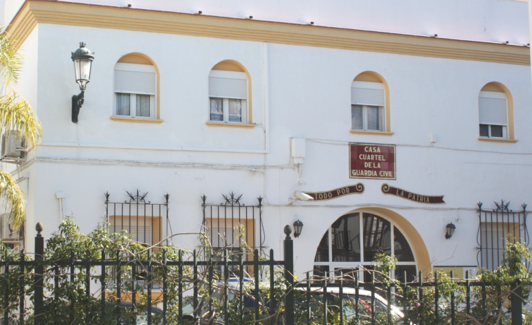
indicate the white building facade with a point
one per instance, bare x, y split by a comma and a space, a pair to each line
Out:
277, 100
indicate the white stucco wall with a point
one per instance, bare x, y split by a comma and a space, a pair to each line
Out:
297, 92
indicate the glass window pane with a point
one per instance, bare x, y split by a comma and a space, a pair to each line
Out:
496, 131
484, 130
235, 110
376, 237
356, 117
402, 250
322, 253
320, 270
217, 112
345, 234
122, 104
143, 105
373, 117
410, 273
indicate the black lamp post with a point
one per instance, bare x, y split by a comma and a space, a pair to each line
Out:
82, 59
449, 230
298, 228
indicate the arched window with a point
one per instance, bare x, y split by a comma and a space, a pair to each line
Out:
495, 111
369, 103
356, 239
229, 95
135, 87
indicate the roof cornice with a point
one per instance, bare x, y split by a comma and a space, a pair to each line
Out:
35, 12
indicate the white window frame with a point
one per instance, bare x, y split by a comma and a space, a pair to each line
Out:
225, 104
495, 95
380, 103
353, 264
133, 95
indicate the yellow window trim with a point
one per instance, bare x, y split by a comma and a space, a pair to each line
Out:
74, 14
371, 132
497, 140
136, 120
231, 125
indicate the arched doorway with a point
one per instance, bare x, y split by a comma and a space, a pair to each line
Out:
356, 238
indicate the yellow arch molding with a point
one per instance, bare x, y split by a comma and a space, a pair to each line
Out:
232, 65
499, 87
140, 58
371, 76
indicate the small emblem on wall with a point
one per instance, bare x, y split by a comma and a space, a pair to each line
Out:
346, 190
373, 161
431, 199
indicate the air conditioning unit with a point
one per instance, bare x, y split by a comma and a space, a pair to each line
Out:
13, 148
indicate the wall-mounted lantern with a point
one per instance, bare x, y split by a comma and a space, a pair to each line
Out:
82, 59
449, 230
298, 228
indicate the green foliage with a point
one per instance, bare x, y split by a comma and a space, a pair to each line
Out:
73, 291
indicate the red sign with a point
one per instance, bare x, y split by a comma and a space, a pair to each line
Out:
369, 160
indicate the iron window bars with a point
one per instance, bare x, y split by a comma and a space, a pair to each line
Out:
221, 222
141, 218
496, 227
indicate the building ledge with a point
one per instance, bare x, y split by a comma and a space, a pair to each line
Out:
136, 120
371, 132
497, 140
231, 125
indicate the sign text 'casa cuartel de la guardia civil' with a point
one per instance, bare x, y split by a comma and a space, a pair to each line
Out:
369, 160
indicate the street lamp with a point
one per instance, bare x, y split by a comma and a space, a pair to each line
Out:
82, 59
449, 230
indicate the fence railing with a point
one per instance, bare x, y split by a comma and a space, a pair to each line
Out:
164, 286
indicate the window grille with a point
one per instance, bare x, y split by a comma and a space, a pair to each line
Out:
496, 227
146, 222
231, 222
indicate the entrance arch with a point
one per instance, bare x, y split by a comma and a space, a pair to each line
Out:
356, 237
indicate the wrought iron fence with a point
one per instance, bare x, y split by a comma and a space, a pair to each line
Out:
178, 288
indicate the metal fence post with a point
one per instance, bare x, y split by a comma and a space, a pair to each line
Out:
517, 304
289, 275
39, 270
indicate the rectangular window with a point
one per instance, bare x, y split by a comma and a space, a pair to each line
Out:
135, 90
228, 94
230, 233
145, 230
367, 106
493, 238
493, 114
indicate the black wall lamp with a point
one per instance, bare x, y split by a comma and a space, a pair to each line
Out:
449, 230
82, 59
298, 228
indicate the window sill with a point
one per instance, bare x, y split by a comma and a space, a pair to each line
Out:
136, 120
497, 140
371, 132
231, 124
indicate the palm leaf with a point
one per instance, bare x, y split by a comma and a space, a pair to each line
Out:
14, 200
10, 59
17, 119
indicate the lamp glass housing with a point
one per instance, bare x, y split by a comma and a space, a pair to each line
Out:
82, 59
82, 67
449, 230
298, 228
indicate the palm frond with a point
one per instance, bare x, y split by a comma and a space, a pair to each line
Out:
14, 200
10, 59
18, 119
